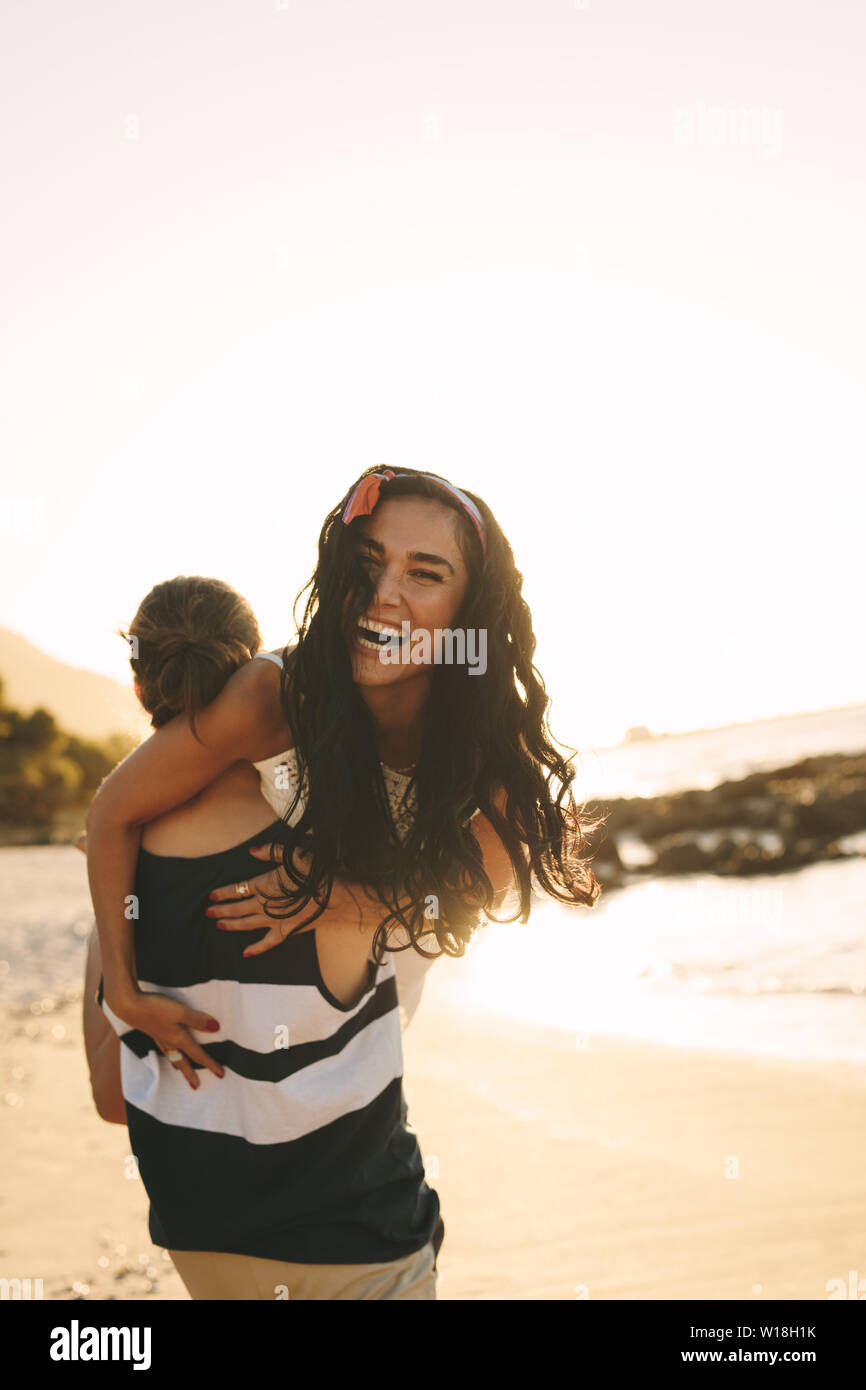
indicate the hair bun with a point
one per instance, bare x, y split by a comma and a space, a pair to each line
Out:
192, 634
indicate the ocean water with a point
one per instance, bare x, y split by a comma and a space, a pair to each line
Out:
705, 759
45, 920
772, 964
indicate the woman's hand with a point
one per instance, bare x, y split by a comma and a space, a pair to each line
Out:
168, 1022
350, 905
242, 904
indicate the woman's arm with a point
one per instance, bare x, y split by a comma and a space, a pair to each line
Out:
244, 722
410, 966
101, 1043
497, 861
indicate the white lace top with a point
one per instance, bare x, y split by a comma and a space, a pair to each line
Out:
279, 784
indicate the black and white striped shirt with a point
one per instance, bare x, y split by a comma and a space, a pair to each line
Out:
303, 1150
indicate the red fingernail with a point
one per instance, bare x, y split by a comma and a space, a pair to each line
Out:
212, 895
222, 926
213, 1026
253, 848
194, 1085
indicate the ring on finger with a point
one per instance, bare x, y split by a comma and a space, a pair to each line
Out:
242, 889
174, 1057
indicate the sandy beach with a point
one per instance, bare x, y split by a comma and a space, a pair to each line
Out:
601, 1171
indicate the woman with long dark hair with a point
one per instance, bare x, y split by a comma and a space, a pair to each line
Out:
403, 741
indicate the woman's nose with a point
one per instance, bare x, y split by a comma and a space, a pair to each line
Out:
388, 590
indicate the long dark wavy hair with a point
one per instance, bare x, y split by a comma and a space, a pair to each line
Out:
482, 733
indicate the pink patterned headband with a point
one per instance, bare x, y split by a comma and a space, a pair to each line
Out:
365, 496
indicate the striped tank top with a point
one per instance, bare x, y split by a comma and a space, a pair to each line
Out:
303, 1150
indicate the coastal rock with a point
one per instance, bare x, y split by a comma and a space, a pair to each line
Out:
766, 822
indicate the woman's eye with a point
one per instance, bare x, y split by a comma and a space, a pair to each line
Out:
370, 562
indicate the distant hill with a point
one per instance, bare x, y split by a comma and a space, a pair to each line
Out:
82, 702
638, 734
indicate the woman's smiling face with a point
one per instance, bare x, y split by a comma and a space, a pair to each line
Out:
409, 549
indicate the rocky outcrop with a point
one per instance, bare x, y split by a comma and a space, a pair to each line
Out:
767, 822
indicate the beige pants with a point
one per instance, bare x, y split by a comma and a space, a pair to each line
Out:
220, 1276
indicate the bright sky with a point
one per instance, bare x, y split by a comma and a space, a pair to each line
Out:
250, 249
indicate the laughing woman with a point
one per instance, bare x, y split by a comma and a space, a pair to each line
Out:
414, 795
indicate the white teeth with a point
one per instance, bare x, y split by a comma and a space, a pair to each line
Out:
373, 626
